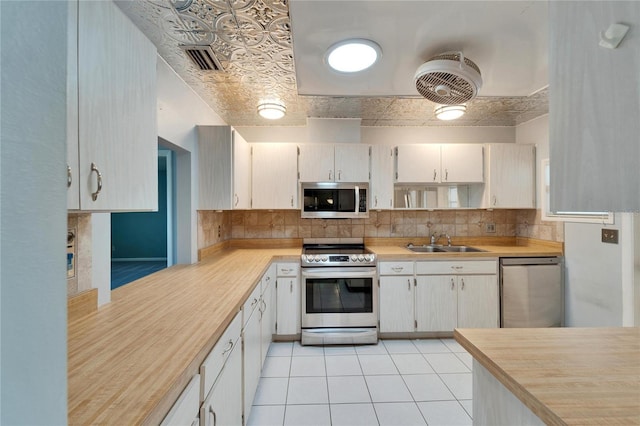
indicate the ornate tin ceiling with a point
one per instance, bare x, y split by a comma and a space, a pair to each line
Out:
252, 41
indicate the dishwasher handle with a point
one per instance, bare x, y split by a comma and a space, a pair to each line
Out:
515, 261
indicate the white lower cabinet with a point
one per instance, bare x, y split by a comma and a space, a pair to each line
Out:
221, 379
251, 344
439, 297
267, 311
468, 297
223, 405
396, 304
288, 314
186, 408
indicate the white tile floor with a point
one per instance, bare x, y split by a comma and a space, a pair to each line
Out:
396, 382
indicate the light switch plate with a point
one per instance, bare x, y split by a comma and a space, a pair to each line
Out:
610, 236
490, 227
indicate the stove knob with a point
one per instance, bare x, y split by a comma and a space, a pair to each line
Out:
304, 257
367, 258
354, 258
316, 258
325, 258
360, 258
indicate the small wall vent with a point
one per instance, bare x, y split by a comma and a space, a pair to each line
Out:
203, 57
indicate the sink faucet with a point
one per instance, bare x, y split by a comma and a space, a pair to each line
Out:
435, 237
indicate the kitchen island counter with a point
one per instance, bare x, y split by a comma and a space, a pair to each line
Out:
562, 375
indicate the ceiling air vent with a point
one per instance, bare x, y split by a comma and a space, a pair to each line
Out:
203, 57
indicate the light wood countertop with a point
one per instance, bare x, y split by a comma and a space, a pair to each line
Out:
395, 248
566, 376
130, 360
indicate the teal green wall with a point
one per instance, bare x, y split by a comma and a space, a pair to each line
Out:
144, 234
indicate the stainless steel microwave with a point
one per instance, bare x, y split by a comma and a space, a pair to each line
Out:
331, 200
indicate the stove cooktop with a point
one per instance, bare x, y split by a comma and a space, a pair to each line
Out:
336, 255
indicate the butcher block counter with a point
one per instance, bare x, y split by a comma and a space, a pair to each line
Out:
129, 360
565, 376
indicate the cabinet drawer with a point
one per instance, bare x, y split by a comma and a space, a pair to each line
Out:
214, 362
252, 302
395, 268
186, 407
288, 269
457, 267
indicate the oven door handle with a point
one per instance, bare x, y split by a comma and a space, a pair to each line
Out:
327, 273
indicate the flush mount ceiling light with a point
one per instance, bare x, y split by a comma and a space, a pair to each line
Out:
272, 110
353, 55
450, 112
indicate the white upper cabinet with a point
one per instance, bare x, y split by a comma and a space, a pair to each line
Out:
333, 163
418, 163
381, 186
461, 163
434, 163
593, 108
224, 169
274, 183
510, 176
113, 127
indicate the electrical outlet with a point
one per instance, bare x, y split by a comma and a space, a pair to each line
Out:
610, 236
490, 227
219, 231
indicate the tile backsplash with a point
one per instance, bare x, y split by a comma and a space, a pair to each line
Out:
214, 227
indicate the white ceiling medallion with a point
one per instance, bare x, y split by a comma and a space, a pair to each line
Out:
272, 110
353, 55
450, 112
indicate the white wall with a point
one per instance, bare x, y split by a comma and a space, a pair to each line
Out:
536, 132
180, 109
387, 135
600, 276
33, 213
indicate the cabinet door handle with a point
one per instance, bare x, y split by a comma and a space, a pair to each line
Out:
292, 201
495, 200
446, 174
228, 348
397, 268
453, 285
94, 168
462, 284
408, 284
255, 301
375, 199
434, 175
69, 177
291, 287
457, 268
339, 174
236, 200
213, 415
329, 174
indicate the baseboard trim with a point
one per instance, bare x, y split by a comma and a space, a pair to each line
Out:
139, 259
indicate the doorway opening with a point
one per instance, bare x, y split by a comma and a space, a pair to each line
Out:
143, 242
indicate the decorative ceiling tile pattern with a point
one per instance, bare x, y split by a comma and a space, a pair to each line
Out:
252, 41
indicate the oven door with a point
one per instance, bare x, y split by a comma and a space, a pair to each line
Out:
339, 297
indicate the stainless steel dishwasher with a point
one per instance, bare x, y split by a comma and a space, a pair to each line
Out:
532, 292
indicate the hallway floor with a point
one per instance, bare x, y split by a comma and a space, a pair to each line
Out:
396, 382
124, 272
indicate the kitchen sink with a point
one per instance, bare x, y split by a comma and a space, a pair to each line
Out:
426, 249
459, 249
442, 249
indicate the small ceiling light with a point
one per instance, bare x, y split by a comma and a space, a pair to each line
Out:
272, 110
450, 112
353, 55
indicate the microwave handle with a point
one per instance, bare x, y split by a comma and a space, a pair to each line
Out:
357, 193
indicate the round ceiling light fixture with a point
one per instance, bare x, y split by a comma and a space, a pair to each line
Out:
271, 110
353, 55
450, 112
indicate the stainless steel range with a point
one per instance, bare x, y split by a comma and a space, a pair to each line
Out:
339, 293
